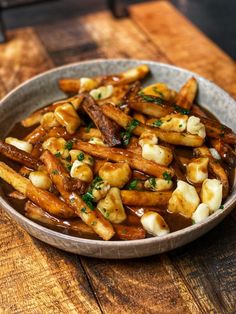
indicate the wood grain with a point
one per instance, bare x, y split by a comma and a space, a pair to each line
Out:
36, 278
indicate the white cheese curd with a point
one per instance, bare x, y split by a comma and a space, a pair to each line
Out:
100, 190
87, 84
56, 145
197, 170
211, 194
154, 224
201, 213
147, 137
111, 206
158, 184
40, 179
116, 174
49, 121
67, 116
160, 154
184, 200
102, 92
81, 171
96, 141
173, 122
22, 145
194, 126
76, 154
214, 153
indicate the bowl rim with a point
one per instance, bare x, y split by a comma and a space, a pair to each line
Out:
228, 206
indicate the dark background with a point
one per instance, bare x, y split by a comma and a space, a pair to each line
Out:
216, 18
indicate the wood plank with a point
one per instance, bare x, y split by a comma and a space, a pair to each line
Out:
34, 277
183, 44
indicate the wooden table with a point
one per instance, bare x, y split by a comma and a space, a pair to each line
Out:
36, 278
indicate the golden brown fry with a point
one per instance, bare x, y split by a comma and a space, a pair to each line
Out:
226, 152
36, 135
215, 168
129, 232
187, 94
19, 155
76, 225
46, 200
85, 134
170, 137
58, 131
136, 198
134, 160
91, 217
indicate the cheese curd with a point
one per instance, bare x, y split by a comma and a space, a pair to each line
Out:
211, 194
56, 145
81, 171
158, 184
159, 90
87, 84
76, 154
197, 170
135, 73
67, 116
40, 179
184, 200
147, 138
194, 126
116, 174
201, 213
160, 154
214, 153
102, 92
100, 190
22, 145
154, 224
111, 206
49, 121
97, 141
173, 122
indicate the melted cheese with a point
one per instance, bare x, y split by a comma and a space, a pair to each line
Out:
154, 224
211, 194
22, 145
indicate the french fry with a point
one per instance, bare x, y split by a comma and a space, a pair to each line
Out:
19, 155
91, 217
170, 137
135, 161
129, 232
76, 225
226, 152
46, 200
143, 198
187, 94
85, 134
214, 167
58, 131
36, 135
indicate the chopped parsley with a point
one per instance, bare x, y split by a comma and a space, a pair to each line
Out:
124, 231
58, 154
126, 136
80, 156
69, 145
99, 96
83, 210
132, 185
221, 207
166, 176
68, 158
88, 199
96, 184
156, 91
93, 223
180, 126
55, 171
222, 126
222, 135
89, 126
181, 110
193, 222
157, 123
152, 182
153, 99
69, 166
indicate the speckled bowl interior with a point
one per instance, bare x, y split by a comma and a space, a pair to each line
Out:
43, 89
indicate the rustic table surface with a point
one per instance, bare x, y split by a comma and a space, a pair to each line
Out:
197, 278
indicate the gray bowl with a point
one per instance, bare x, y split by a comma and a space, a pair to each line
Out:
43, 89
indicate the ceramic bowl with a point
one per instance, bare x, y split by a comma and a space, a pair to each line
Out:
43, 89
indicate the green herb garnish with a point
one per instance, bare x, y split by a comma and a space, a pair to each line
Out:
156, 90
58, 154
153, 99
152, 182
80, 157
69, 145
157, 123
124, 231
55, 171
180, 126
68, 158
93, 223
166, 176
181, 110
88, 198
69, 166
221, 207
132, 185
83, 210
129, 129
89, 126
